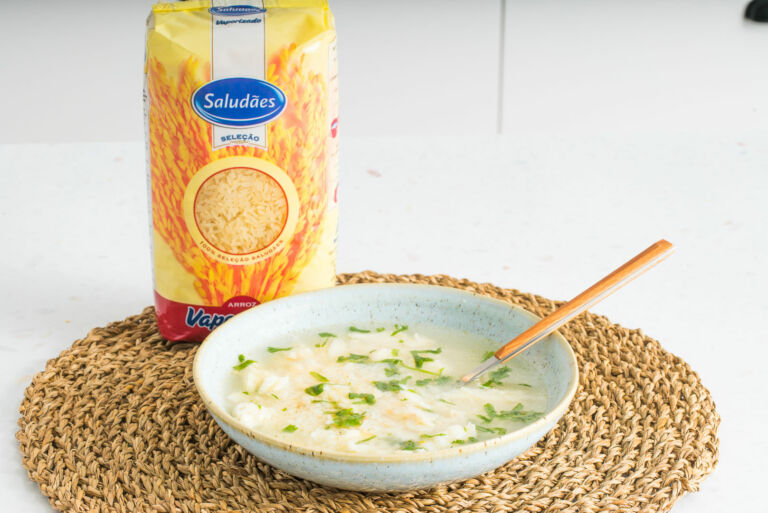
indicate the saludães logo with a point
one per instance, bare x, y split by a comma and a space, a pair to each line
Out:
238, 102
236, 10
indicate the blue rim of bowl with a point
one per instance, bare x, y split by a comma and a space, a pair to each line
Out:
553, 415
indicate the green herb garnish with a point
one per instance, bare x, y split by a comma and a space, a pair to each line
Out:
419, 360
447, 402
496, 430
425, 371
319, 376
315, 390
379, 330
277, 349
469, 440
517, 414
354, 358
395, 352
391, 371
393, 385
364, 398
398, 329
275, 396
526, 385
432, 436
243, 362
441, 380
366, 439
246, 392
345, 417
496, 377
409, 445
487, 355
325, 334
355, 329
290, 428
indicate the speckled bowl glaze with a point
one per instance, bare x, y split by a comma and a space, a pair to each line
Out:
382, 303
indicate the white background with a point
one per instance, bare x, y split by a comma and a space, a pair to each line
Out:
537, 151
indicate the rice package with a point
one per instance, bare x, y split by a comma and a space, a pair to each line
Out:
241, 113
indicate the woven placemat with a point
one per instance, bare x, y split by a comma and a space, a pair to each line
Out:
114, 424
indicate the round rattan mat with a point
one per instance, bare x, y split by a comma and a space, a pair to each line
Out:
114, 425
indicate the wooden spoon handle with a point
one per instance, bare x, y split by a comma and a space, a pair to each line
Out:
594, 294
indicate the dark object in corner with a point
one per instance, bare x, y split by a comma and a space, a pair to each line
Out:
757, 10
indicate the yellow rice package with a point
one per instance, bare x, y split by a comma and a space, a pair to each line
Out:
241, 113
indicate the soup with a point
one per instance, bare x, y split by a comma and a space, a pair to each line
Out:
376, 389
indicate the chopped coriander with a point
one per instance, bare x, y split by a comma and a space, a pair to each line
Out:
391, 371
496, 430
365, 440
319, 376
355, 329
243, 362
398, 329
526, 385
409, 445
395, 352
469, 440
315, 390
401, 341
325, 334
419, 360
354, 358
425, 371
275, 396
488, 354
515, 414
276, 349
285, 409
364, 398
440, 380
496, 377
393, 385
491, 410
290, 428
323, 343
345, 417
432, 436
447, 402
379, 330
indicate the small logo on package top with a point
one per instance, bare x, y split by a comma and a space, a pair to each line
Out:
236, 10
238, 102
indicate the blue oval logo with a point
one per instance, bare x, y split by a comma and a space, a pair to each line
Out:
238, 102
236, 10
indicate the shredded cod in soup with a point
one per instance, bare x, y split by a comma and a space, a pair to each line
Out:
382, 388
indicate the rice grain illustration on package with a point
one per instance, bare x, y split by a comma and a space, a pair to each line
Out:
241, 112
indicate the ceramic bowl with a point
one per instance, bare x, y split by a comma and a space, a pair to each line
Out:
382, 303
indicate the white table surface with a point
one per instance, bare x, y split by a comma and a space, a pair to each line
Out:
543, 213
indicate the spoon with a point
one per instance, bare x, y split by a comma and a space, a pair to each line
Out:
593, 295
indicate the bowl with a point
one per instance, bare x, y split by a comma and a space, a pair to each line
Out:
390, 303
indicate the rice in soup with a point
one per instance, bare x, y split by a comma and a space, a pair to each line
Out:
376, 389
